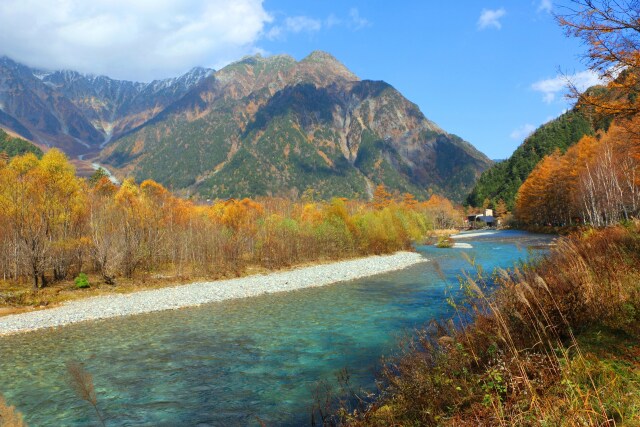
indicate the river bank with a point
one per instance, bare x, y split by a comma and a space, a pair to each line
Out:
194, 294
552, 342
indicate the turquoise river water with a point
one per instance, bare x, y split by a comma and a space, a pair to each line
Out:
226, 363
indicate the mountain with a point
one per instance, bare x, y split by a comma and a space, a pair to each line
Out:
80, 113
260, 126
503, 179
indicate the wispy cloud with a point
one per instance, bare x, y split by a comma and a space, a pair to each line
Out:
332, 20
305, 24
298, 24
545, 6
490, 18
551, 88
522, 132
294, 25
357, 22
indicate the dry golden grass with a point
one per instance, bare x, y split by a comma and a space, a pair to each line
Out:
9, 416
82, 383
553, 344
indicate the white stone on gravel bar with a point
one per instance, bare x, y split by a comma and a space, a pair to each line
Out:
194, 294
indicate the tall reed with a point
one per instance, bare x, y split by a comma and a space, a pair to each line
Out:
514, 354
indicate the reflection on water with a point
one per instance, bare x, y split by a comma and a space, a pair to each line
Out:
226, 363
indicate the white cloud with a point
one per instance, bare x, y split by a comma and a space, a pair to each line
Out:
491, 18
552, 87
522, 132
139, 40
545, 6
332, 20
357, 22
275, 33
298, 24
294, 25
305, 24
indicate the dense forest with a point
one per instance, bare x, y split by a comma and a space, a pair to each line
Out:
596, 182
12, 146
502, 181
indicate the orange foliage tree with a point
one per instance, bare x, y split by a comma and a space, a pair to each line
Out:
595, 181
381, 197
441, 211
611, 31
54, 225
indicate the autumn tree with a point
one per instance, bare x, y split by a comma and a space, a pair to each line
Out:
381, 197
486, 203
97, 176
130, 232
501, 208
409, 200
611, 31
442, 211
44, 202
53, 224
65, 206
595, 182
104, 228
540, 198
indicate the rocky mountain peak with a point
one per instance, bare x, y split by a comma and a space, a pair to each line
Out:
320, 56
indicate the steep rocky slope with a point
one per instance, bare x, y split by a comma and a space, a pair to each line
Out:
260, 126
274, 126
81, 113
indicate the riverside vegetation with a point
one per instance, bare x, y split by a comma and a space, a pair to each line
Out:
551, 343
554, 342
55, 227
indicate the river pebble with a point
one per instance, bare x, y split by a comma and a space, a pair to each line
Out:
194, 294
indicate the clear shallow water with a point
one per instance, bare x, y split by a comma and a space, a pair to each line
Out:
226, 363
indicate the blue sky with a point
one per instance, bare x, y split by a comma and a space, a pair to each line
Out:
483, 69
475, 78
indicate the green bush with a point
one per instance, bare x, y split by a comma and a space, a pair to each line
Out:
445, 242
82, 281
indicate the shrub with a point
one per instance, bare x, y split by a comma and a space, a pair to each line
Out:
445, 242
82, 281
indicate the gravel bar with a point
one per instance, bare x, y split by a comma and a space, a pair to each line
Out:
194, 294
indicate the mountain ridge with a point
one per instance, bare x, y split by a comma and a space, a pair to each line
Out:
288, 125
81, 112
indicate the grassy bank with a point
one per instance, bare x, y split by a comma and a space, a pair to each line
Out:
551, 344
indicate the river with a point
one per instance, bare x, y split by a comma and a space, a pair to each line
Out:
226, 363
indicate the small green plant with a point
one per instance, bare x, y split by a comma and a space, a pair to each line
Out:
82, 281
445, 242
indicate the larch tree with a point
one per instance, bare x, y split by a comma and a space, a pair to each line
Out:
381, 197
611, 31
